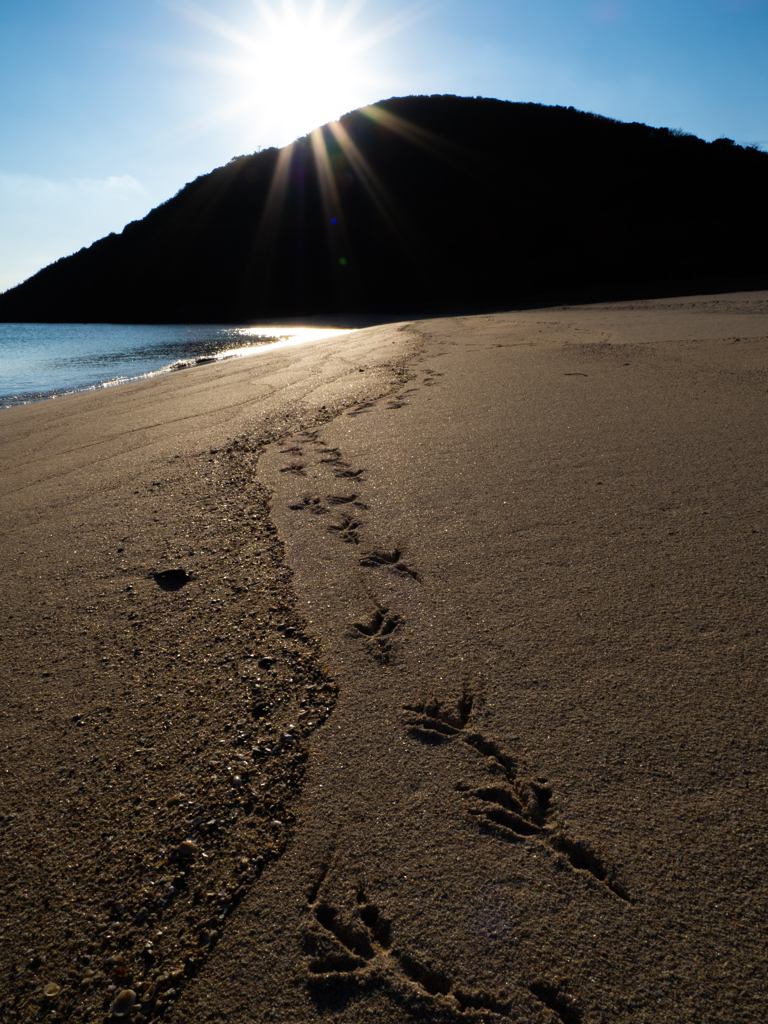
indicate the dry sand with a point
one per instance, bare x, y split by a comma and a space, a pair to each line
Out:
458, 711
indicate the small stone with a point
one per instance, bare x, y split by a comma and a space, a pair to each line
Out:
123, 1003
187, 848
150, 994
51, 990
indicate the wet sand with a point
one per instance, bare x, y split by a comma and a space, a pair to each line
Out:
458, 712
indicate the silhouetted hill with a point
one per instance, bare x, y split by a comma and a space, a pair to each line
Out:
428, 202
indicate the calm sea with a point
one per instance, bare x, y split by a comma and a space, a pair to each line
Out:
45, 360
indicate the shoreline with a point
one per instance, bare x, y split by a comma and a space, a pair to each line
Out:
509, 569
343, 323
166, 360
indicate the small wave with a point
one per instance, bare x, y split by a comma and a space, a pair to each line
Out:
249, 341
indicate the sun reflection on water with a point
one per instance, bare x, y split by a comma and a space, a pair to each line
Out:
267, 339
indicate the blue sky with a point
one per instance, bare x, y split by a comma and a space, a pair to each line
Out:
107, 109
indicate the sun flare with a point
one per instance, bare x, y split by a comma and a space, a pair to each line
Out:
296, 65
305, 65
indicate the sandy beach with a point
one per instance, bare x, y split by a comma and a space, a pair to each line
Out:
418, 674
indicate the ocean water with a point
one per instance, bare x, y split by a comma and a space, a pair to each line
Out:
40, 361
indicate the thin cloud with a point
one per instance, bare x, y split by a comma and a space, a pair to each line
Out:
33, 186
115, 184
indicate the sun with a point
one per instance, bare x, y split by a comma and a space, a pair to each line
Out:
306, 67
297, 64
